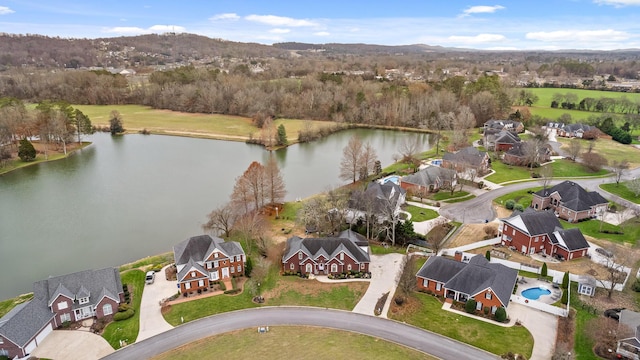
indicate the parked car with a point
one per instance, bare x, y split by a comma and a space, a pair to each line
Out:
151, 276
613, 313
604, 252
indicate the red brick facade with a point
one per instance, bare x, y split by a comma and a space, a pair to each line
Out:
512, 236
339, 264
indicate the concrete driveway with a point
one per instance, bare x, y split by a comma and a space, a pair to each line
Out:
73, 345
151, 321
384, 269
543, 327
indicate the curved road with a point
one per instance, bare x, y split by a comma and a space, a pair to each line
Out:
389, 330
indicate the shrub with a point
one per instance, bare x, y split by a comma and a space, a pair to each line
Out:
123, 307
223, 287
543, 272
565, 281
232, 291
565, 297
510, 204
486, 310
636, 285
26, 151
501, 314
487, 255
518, 207
123, 315
248, 266
470, 306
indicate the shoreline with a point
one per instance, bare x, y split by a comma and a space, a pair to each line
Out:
23, 164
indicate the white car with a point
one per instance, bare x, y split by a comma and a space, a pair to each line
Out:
151, 275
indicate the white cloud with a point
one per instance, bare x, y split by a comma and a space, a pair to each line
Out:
279, 20
478, 39
134, 30
279, 31
618, 3
321, 33
578, 35
481, 9
5, 10
227, 16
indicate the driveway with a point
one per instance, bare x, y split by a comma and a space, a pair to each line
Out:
396, 332
73, 345
384, 269
543, 327
151, 320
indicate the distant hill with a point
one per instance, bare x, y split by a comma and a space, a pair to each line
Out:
364, 49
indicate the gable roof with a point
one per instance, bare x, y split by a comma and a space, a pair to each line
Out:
534, 222
329, 247
570, 239
379, 196
472, 278
429, 176
506, 137
24, 321
469, 155
94, 282
573, 196
198, 248
191, 264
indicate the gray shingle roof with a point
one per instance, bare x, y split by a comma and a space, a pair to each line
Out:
24, 321
329, 247
507, 137
93, 281
429, 175
191, 264
381, 196
440, 269
469, 155
570, 239
573, 196
535, 222
200, 247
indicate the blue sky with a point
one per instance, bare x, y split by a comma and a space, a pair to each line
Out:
543, 24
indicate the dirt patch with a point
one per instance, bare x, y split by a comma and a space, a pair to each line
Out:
409, 306
565, 336
471, 233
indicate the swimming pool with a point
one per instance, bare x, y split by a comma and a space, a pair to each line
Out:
535, 293
394, 179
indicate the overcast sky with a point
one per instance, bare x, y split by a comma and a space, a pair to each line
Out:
542, 24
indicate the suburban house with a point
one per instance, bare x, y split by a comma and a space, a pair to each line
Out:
348, 251
500, 141
431, 178
573, 130
202, 261
519, 155
570, 201
629, 323
467, 159
56, 300
382, 200
541, 232
506, 125
489, 284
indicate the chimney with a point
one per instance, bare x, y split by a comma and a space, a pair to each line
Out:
458, 256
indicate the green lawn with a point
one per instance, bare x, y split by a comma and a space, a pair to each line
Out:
504, 172
150, 261
567, 168
622, 191
545, 95
16, 163
127, 330
290, 342
630, 229
522, 197
561, 168
380, 250
493, 338
200, 308
612, 151
446, 195
343, 296
419, 214
7, 305
582, 343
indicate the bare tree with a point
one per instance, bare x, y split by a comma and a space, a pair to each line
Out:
351, 157
221, 220
546, 175
605, 332
406, 279
593, 161
251, 228
275, 184
619, 168
367, 161
634, 186
409, 149
575, 148
249, 191
259, 274
615, 272
463, 121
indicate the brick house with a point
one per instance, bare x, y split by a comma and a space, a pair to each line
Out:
56, 300
533, 231
201, 261
490, 285
519, 155
348, 251
431, 179
506, 125
466, 159
381, 200
570, 201
500, 140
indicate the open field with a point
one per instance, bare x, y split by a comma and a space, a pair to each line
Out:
612, 151
425, 311
545, 95
226, 127
293, 342
622, 191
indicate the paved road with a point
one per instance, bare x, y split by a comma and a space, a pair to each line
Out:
393, 331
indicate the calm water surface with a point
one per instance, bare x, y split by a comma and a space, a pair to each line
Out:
128, 197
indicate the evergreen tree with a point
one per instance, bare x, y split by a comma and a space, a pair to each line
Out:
115, 123
565, 281
248, 266
26, 151
565, 297
282, 135
543, 272
501, 314
488, 255
470, 306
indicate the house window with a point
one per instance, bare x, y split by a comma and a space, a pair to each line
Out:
513, 232
209, 265
107, 309
487, 296
361, 266
233, 270
291, 266
479, 306
493, 309
214, 275
341, 256
63, 305
425, 283
309, 268
216, 264
187, 286
239, 268
215, 255
299, 256
438, 287
200, 283
193, 274
239, 258
536, 239
83, 300
66, 317
1, 341
334, 268
349, 267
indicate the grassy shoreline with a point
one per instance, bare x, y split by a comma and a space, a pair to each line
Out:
19, 164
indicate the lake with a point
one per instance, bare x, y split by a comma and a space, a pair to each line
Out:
128, 197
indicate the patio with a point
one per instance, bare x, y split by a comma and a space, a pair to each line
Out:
525, 283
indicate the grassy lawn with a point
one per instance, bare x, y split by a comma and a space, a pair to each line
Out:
150, 261
622, 191
630, 229
504, 172
612, 151
427, 313
446, 195
381, 250
292, 290
568, 168
200, 308
419, 214
16, 163
522, 197
545, 95
290, 342
7, 305
127, 329
137, 117
582, 344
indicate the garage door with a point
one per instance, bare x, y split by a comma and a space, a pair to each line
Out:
30, 347
43, 334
